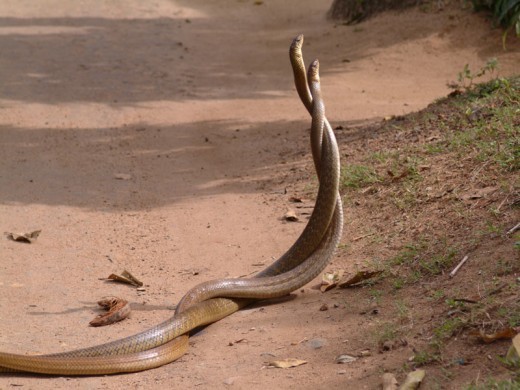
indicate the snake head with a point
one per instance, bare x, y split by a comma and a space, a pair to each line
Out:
313, 73
296, 45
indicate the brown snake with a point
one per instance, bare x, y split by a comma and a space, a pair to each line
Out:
214, 300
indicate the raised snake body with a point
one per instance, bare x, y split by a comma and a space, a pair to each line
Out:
214, 300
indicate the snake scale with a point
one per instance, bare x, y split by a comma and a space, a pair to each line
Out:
211, 301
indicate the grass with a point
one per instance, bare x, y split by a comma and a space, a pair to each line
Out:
496, 384
412, 191
358, 176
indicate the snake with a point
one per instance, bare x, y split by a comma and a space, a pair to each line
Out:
213, 300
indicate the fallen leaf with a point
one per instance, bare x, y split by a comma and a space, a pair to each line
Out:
478, 193
506, 333
343, 359
27, 238
388, 381
291, 216
295, 199
513, 354
413, 380
287, 363
361, 276
330, 279
122, 176
118, 309
126, 277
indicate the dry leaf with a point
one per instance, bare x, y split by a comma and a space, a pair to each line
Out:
506, 333
361, 276
295, 199
479, 193
413, 380
27, 238
126, 277
287, 363
330, 279
122, 176
388, 381
118, 309
343, 359
291, 216
513, 354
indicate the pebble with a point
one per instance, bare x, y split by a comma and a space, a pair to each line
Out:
316, 343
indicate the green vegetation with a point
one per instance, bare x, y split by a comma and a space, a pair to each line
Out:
429, 188
358, 176
505, 12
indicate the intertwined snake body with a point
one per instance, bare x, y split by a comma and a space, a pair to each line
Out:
214, 300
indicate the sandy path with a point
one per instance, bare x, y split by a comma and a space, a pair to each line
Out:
195, 101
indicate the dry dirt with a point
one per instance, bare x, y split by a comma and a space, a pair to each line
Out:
194, 101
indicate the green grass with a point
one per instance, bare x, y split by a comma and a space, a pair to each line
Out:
358, 176
487, 126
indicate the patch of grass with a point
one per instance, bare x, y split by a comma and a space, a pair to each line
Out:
487, 125
425, 260
422, 358
387, 331
434, 148
408, 254
435, 264
399, 283
494, 384
437, 294
512, 317
375, 295
448, 328
358, 176
402, 310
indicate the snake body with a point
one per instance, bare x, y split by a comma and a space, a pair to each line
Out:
214, 300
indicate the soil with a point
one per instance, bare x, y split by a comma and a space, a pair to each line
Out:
166, 138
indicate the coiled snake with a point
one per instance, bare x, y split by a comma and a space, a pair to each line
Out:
214, 300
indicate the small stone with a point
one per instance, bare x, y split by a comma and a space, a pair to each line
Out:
316, 343
229, 381
324, 307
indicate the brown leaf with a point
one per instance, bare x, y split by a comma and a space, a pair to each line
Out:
287, 363
27, 238
478, 193
513, 354
388, 381
413, 380
361, 276
506, 333
295, 199
122, 176
126, 277
118, 309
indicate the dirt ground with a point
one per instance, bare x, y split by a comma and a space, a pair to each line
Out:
193, 103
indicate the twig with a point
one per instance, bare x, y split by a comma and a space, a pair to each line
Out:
363, 236
456, 269
496, 290
513, 229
